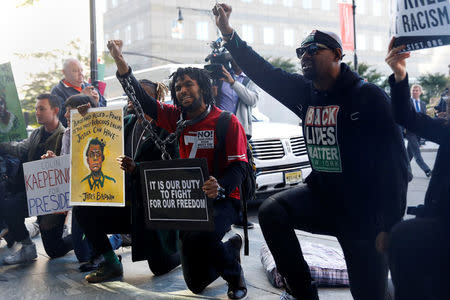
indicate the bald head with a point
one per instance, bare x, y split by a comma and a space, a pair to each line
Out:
73, 72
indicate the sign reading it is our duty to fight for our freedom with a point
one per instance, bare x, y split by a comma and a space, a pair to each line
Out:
47, 183
96, 142
173, 195
421, 24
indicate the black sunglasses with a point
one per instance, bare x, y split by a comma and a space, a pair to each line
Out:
311, 49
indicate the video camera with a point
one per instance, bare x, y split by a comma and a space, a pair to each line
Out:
218, 57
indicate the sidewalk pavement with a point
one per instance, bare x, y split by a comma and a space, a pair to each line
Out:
60, 279
428, 147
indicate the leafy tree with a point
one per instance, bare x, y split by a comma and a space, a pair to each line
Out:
42, 82
369, 73
433, 85
25, 2
283, 63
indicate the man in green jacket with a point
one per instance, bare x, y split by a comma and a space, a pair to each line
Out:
46, 137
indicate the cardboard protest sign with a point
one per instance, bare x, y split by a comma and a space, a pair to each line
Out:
12, 124
421, 24
47, 183
173, 195
96, 142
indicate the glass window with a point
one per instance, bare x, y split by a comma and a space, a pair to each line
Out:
127, 35
378, 44
247, 33
361, 7
288, 3
325, 5
361, 42
114, 3
117, 34
140, 31
202, 31
246, 1
177, 29
288, 37
377, 8
307, 4
268, 35
267, 2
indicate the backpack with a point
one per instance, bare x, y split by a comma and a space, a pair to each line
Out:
247, 188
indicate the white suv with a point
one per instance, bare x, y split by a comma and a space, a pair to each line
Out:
280, 155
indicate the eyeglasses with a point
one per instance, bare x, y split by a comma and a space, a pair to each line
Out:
311, 49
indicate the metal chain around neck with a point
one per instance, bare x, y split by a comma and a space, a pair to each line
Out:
171, 138
160, 144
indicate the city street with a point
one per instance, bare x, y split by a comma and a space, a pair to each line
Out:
60, 278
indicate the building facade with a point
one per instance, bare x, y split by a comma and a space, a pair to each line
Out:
274, 28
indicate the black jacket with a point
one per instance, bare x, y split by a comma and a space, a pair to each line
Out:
144, 241
437, 197
355, 148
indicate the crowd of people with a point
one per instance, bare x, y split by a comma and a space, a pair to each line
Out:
356, 191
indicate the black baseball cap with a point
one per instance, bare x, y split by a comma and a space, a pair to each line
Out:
327, 38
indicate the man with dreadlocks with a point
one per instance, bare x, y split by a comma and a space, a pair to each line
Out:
156, 246
204, 256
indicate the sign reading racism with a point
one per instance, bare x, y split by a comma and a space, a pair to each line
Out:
12, 124
173, 195
47, 183
421, 24
96, 142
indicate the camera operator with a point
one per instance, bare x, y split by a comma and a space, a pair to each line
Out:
236, 93
232, 89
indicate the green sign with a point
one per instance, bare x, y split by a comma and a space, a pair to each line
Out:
12, 124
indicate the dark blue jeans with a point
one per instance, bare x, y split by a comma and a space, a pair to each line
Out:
204, 256
14, 211
81, 245
300, 208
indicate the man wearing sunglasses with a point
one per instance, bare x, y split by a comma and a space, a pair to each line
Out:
357, 189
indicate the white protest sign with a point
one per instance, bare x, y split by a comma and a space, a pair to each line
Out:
47, 183
421, 24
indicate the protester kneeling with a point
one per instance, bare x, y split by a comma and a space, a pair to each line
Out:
159, 248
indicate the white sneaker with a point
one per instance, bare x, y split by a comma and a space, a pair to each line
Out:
26, 254
33, 228
287, 296
3, 232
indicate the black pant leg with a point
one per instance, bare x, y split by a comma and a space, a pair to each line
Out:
97, 221
279, 215
51, 228
204, 256
367, 269
160, 261
15, 211
414, 149
419, 257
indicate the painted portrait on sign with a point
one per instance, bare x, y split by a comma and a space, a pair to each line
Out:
96, 180
96, 142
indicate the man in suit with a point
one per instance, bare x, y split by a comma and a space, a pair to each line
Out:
413, 147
